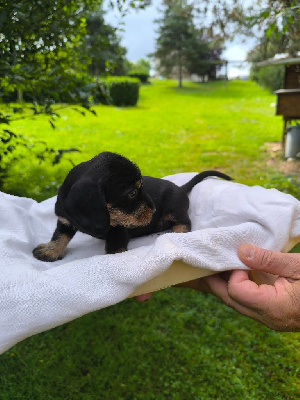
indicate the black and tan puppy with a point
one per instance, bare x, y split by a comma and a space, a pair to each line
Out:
108, 198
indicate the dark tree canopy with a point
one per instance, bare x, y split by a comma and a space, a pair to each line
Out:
102, 44
42, 40
42, 55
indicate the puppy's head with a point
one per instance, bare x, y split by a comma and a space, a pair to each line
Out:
127, 202
105, 191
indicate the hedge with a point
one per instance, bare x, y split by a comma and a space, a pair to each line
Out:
141, 76
118, 91
72, 88
82, 89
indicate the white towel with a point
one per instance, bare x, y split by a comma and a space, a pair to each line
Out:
36, 296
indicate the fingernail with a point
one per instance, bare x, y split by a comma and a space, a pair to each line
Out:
247, 251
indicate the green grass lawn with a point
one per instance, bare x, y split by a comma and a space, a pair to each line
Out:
180, 344
171, 130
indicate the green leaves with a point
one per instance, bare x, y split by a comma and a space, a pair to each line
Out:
271, 29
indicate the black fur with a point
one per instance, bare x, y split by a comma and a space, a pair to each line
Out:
108, 198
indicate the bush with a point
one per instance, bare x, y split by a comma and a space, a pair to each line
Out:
71, 88
143, 77
18, 153
118, 91
271, 78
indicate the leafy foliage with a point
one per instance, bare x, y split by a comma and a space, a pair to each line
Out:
280, 19
15, 147
103, 46
259, 18
142, 65
140, 69
276, 39
271, 78
40, 40
43, 61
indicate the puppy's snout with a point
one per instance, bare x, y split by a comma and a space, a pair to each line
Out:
144, 213
140, 216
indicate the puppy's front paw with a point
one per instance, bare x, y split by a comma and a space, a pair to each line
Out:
181, 228
115, 251
47, 252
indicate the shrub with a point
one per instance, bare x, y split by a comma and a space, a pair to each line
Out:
271, 78
143, 77
71, 88
119, 91
14, 149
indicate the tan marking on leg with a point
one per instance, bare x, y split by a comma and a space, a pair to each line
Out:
64, 221
179, 229
53, 250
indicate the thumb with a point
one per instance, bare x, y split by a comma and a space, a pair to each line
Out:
283, 264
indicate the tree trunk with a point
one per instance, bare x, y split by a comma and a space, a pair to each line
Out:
20, 95
180, 76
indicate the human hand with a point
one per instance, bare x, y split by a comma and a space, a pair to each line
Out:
276, 306
143, 297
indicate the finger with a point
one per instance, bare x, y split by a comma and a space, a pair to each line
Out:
251, 295
276, 263
143, 297
275, 306
201, 285
255, 305
219, 288
197, 284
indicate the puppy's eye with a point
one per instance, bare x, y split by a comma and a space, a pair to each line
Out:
133, 194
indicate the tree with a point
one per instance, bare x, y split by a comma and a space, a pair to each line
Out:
40, 51
103, 46
41, 40
279, 32
142, 65
275, 24
278, 20
39, 36
180, 46
259, 18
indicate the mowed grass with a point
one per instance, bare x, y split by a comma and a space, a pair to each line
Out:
180, 344
171, 130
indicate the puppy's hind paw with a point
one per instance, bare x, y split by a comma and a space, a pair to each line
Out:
47, 252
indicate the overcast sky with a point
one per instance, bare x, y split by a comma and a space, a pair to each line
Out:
139, 37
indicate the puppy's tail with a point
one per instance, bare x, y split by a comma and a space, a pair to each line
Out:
201, 176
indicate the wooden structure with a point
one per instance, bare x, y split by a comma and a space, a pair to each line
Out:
288, 98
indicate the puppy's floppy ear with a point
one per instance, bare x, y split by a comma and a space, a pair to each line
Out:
86, 208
